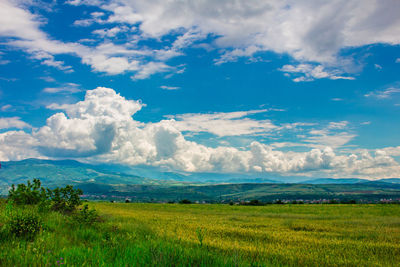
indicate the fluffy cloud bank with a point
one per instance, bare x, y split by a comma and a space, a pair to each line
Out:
101, 128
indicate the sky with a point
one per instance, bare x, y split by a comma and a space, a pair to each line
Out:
288, 88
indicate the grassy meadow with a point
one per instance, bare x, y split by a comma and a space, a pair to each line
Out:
212, 235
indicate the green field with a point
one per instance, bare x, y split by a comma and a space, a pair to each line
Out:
214, 235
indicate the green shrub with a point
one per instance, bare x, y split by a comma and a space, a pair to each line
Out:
64, 199
86, 216
24, 224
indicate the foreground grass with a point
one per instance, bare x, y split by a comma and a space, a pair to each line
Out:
214, 235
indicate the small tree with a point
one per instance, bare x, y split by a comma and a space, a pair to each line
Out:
29, 194
65, 199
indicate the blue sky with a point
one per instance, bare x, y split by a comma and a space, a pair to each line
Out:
290, 88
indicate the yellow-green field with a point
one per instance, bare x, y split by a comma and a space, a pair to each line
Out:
217, 235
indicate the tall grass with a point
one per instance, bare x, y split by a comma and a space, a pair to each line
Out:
214, 235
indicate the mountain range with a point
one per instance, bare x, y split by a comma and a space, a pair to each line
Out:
147, 183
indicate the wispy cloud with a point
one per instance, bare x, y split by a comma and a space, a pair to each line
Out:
6, 107
308, 72
384, 94
65, 88
223, 123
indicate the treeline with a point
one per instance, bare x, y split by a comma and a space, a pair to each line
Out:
256, 202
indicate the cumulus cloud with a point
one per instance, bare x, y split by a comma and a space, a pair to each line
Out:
102, 128
17, 145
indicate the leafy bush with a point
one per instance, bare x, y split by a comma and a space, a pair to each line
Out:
86, 216
24, 224
64, 199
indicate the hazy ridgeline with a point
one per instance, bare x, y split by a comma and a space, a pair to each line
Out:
213, 235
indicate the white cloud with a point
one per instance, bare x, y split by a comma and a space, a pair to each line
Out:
66, 88
47, 79
149, 69
23, 30
12, 122
323, 139
95, 18
111, 32
101, 128
17, 145
57, 64
223, 123
309, 72
398, 60
334, 134
306, 30
165, 87
338, 125
378, 67
384, 94
6, 107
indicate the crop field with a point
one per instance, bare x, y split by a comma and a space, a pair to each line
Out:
214, 235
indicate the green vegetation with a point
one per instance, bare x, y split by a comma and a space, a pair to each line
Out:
209, 235
59, 199
134, 234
